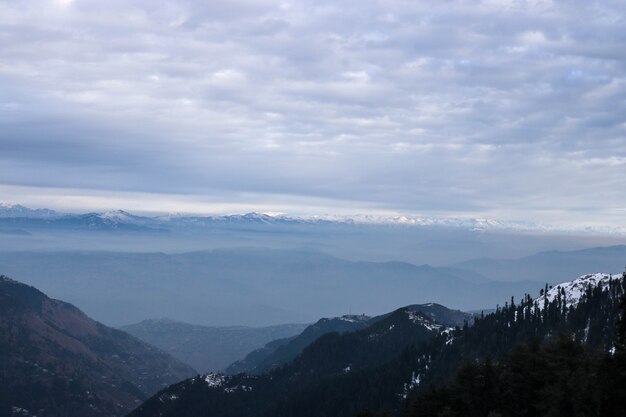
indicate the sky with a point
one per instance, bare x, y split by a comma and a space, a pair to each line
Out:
512, 110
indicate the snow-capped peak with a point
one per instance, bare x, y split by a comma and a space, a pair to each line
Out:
117, 215
574, 290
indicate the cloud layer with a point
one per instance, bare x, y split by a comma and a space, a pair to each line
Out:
501, 108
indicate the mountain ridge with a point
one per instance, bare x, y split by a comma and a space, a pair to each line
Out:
54, 360
246, 281
120, 218
550, 266
324, 381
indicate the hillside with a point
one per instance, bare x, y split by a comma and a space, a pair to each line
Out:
281, 352
385, 365
56, 361
331, 356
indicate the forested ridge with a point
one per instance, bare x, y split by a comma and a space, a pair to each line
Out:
418, 375
582, 372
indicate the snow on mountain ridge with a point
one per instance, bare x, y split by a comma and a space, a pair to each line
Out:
419, 318
271, 218
574, 290
8, 210
226, 383
353, 318
214, 380
118, 215
122, 216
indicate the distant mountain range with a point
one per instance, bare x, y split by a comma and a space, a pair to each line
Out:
419, 240
16, 210
254, 287
550, 266
208, 348
18, 215
56, 361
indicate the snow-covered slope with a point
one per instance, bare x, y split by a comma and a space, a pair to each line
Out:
574, 290
118, 216
16, 210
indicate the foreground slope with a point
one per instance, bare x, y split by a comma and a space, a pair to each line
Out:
381, 368
56, 361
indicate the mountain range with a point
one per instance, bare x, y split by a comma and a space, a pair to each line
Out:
549, 266
120, 219
246, 286
437, 242
19, 211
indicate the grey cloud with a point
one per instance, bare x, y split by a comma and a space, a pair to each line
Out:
500, 106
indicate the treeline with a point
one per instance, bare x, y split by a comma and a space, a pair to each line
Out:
582, 372
560, 378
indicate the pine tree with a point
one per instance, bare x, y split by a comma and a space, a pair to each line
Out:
620, 342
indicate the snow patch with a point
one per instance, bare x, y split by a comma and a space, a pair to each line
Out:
353, 318
574, 290
420, 319
244, 388
214, 380
166, 396
408, 386
226, 383
117, 215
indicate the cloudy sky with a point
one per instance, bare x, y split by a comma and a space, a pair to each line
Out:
498, 108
